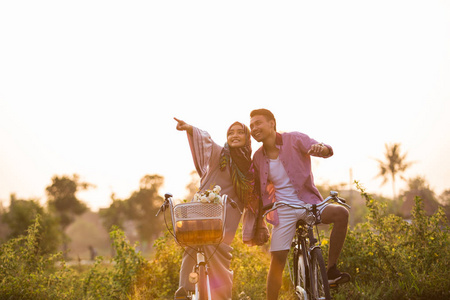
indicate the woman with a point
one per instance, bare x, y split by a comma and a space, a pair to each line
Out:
230, 168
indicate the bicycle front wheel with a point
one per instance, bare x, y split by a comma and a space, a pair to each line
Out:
320, 288
300, 270
202, 283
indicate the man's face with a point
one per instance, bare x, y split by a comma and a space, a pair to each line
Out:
260, 127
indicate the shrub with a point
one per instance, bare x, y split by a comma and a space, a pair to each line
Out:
391, 258
250, 266
26, 273
162, 281
388, 258
120, 280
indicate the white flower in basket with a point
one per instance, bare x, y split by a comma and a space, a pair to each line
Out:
217, 189
209, 196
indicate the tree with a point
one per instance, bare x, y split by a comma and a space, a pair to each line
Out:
418, 187
62, 199
143, 206
22, 214
138, 212
445, 197
115, 214
393, 165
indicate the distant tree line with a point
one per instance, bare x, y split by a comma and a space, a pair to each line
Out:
136, 215
63, 206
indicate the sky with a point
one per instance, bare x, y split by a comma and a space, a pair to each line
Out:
91, 87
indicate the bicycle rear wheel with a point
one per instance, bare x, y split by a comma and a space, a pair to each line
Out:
301, 270
320, 288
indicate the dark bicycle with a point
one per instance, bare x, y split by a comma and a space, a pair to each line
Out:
308, 272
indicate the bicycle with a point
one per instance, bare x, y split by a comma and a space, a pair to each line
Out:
195, 224
308, 273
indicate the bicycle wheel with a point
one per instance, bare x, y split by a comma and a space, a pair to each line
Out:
301, 270
320, 288
202, 283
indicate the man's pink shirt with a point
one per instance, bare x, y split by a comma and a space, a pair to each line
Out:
294, 156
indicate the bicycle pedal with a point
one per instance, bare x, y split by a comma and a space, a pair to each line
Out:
181, 294
333, 286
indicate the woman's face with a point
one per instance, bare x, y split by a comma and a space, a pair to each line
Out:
236, 136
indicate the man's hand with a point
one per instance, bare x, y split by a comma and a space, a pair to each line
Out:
183, 126
318, 150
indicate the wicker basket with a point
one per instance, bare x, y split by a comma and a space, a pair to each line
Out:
198, 223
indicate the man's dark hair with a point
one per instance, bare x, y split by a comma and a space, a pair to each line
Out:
266, 113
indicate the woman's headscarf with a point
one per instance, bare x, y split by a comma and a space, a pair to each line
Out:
240, 162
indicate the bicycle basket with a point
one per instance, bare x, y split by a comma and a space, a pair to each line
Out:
198, 223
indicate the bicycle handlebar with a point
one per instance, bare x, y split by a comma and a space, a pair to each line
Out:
167, 199
333, 197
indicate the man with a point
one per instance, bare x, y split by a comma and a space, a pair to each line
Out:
283, 167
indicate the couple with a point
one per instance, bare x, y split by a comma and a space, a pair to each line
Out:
281, 169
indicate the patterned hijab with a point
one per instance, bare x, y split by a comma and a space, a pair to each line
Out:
240, 162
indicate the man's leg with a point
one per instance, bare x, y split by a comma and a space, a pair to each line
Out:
338, 216
275, 276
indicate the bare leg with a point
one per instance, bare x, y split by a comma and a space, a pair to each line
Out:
337, 215
275, 276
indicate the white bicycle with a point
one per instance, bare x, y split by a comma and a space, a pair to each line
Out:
195, 224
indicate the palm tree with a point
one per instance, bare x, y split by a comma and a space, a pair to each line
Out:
393, 165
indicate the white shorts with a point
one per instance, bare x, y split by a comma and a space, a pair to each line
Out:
283, 233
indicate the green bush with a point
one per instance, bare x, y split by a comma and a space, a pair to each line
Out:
250, 266
26, 273
388, 258
392, 258
118, 281
162, 281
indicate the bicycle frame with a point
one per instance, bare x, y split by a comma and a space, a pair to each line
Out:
202, 287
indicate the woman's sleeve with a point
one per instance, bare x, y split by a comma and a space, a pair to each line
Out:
201, 146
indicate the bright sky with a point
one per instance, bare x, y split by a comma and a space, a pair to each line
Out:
91, 87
